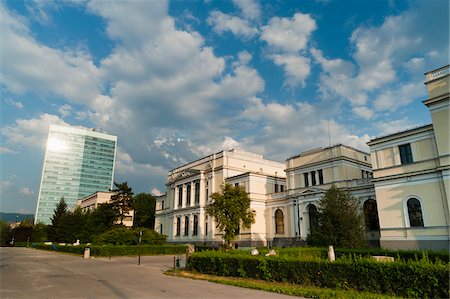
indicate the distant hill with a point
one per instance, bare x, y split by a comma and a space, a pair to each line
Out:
11, 217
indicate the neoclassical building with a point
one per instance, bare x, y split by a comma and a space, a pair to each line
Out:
402, 185
180, 214
412, 174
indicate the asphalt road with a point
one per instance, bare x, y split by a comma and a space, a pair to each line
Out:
31, 273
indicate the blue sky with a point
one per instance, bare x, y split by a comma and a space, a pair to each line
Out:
179, 80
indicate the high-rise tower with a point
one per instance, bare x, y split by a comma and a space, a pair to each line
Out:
77, 162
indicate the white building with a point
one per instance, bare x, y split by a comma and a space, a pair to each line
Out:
181, 213
412, 176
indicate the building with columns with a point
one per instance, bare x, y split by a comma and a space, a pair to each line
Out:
403, 187
180, 214
412, 176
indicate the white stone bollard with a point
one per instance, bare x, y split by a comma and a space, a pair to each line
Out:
331, 256
87, 253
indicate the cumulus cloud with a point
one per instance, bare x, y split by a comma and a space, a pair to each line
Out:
363, 112
31, 133
288, 38
289, 34
383, 55
28, 66
250, 8
222, 22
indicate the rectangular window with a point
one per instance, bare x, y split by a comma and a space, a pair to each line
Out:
236, 184
162, 205
305, 175
180, 196
362, 173
320, 176
313, 178
405, 153
197, 192
276, 188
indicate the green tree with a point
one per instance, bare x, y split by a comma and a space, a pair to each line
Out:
122, 200
5, 233
231, 209
99, 220
340, 221
72, 227
144, 210
39, 233
58, 215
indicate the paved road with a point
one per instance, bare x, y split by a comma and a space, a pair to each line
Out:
30, 273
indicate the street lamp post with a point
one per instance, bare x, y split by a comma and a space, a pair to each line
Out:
14, 231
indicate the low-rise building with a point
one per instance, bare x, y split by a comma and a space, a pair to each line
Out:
92, 201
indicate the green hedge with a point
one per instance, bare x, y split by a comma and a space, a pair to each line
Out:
410, 279
118, 250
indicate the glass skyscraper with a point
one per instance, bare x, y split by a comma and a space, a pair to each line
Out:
77, 163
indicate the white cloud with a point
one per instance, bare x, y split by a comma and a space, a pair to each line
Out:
222, 22
28, 66
391, 100
250, 8
394, 126
26, 191
386, 58
296, 68
363, 112
18, 105
156, 192
30, 133
65, 110
289, 35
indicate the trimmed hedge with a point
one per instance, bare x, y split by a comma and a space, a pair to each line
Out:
410, 279
119, 250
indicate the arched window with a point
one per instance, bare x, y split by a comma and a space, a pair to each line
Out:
206, 225
186, 225
188, 195
195, 229
178, 226
415, 213
371, 215
279, 222
313, 219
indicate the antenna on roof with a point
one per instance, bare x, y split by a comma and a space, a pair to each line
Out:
329, 134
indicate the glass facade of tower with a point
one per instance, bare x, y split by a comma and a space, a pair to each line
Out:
78, 162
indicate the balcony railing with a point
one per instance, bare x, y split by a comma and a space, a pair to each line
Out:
440, 72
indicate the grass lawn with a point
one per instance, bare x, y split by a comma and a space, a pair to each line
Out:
280, 287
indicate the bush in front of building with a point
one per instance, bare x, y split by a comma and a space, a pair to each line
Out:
126, 236
408, 279
114, 250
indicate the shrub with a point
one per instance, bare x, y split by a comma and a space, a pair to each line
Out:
126, 236
116, 250
412, 279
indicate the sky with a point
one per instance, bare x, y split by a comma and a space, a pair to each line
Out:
179, 80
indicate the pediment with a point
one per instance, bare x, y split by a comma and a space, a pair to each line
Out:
184, 174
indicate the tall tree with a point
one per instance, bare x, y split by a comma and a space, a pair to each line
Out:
231, 209
122, 200
58, 215
144, 210
340, 221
